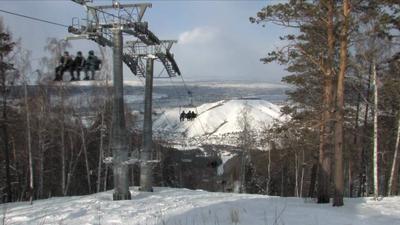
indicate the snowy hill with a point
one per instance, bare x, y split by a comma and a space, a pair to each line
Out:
218, 121
167, 206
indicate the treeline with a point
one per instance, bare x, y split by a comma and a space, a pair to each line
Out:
343, 59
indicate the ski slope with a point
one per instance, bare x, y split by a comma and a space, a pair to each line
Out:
168, 206
218, 122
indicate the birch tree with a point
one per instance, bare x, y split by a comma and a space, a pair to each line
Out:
246, 143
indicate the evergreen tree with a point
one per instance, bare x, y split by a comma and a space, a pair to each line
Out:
6, 67
319, 58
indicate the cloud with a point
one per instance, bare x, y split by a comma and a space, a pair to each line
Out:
205, 53
198, 35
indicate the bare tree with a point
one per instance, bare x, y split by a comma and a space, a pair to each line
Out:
22, 62
105, 71
394, 172
375, 136
246, 142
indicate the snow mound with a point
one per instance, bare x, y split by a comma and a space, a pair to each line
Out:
218, 119
167, 206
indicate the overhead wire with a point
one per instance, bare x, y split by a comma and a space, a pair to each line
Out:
157, 105
177, 93
199, 140
33, 18
190, 93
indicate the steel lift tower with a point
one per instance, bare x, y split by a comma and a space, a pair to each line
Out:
138, 51
106, 25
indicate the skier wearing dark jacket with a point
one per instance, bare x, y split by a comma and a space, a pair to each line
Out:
65, 64
78, 65
92, 64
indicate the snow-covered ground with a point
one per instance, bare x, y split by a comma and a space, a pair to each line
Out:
167, 206
218, 122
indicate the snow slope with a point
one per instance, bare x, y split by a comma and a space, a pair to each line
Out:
215, 121
167, 206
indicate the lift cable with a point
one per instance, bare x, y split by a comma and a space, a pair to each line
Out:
33, 18
199, 142
167, 120
156, 103
190, 93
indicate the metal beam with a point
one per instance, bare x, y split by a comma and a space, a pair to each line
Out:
138, 49
123, 6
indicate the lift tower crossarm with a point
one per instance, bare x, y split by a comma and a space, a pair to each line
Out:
137, 50
140, 49
102, 18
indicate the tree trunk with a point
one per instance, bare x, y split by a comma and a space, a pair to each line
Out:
325, 148
5, 140
86, 157
375, 136
313, 179
363, 188
339, 113
41, 151
394, 173
28, 128
72, 166
18, 176
42, 140
62, 132
41, 168
243, 172
100, 163
358, 149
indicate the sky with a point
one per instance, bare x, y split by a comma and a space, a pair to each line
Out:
216, 41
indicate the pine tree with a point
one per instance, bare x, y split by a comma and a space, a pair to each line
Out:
6, 66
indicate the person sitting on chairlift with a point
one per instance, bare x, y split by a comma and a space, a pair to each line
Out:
193, 115
64, 65
182, 116
92, 64
78, 66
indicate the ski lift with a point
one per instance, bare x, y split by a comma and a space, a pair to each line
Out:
90, 66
